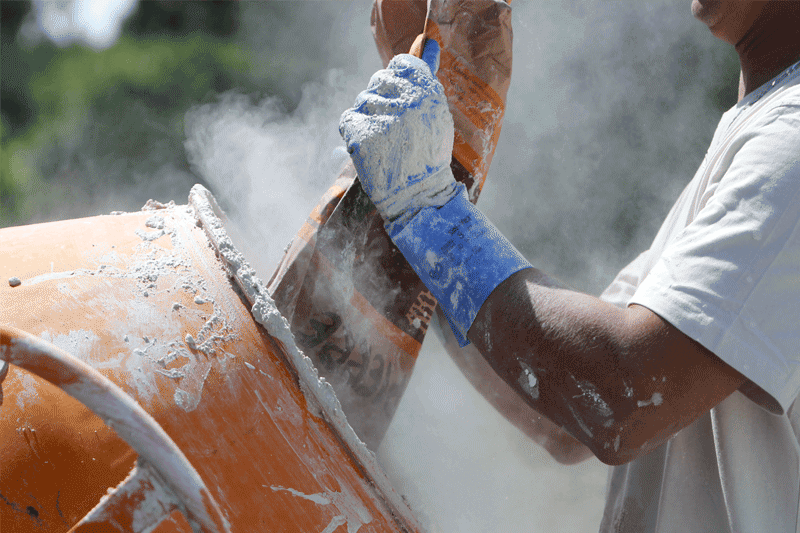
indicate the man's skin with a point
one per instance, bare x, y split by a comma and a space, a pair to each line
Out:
623, 381
765, 35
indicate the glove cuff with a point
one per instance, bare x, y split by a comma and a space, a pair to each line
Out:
460, 256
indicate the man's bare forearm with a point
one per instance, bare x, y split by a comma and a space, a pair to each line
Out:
622, 381
558, 442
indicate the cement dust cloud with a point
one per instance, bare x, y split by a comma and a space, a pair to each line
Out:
266, 166
608, 115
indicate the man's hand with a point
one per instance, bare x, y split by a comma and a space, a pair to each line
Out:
399, 134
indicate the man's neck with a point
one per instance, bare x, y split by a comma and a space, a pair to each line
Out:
771, 45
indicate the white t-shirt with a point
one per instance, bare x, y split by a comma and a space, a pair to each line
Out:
725, 270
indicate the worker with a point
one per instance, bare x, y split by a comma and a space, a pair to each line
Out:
682, 375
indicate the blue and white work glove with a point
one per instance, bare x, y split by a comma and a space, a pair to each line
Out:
399, 134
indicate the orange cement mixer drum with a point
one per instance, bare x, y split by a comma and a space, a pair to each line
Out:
147, 300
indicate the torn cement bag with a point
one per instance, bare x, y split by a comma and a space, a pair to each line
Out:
355, 306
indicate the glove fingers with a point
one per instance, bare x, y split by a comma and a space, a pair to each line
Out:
387, 87
407, 65
390, 95
399, 134
371, 116
399, 87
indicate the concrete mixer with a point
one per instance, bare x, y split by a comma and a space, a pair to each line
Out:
155, 384
230, 430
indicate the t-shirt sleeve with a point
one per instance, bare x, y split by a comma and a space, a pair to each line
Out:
624, 286
731, 278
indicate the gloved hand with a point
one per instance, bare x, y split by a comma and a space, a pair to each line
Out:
399, 134
400, 137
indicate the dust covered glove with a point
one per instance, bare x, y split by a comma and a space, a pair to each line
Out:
399, 135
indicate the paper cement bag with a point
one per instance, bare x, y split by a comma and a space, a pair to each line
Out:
355, 306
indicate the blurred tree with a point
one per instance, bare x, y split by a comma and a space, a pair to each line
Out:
169, 18
85, 130
16, 104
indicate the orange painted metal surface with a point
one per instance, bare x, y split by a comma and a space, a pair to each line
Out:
163, 479
143, 298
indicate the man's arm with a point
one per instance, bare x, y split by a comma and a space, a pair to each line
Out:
622, 381
556, 440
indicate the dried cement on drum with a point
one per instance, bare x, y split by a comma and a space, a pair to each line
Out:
167, 349
318, 391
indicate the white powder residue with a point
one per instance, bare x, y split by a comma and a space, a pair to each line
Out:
154, 508
318, 498
350, 506
79, 343
109, 258
189, 394
154, 502
628, 390
353, 512
431, 257
64, 289
172, 373
143, 382
151, 262
591, 396
150, 236
527, 380
160, 269
155, 222
318, 392
335, 522
656, 399
184, 400
29, 390
455, 297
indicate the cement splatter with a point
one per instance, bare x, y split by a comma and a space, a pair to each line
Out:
320, 394
656, 399
527, 380
352, 511
318, 498
591, 396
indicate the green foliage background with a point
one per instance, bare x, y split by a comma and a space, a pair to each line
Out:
85, 129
